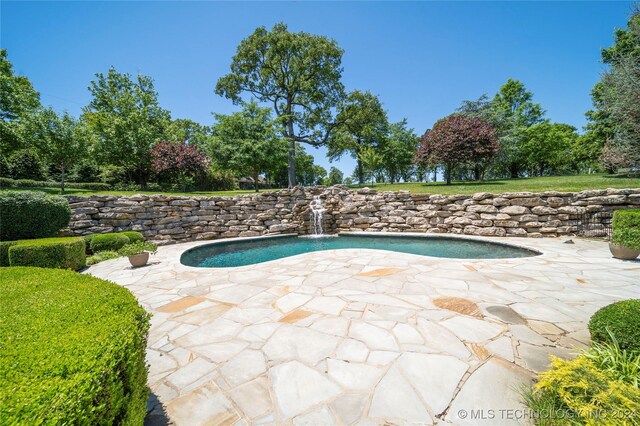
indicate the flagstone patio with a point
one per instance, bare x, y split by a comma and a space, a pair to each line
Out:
365, 337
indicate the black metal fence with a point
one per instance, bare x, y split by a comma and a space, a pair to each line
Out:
594, 225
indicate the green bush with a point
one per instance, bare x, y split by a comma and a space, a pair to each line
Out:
26, 164
31, 214
134, 236
622, 320
108, 242
29, 183
4, 252
101, 256
138, 247
626, 228
72, 351
61, 253
582, 394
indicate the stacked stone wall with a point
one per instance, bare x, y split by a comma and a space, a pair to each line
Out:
182, 218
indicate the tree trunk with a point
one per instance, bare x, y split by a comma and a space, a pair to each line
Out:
256, 175
513, 169
435, 174
292, 148
477, 172
360, 168
447, 172
62, 181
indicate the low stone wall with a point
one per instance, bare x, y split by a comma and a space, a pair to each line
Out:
180, 218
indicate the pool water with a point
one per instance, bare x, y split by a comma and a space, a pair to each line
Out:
241, 253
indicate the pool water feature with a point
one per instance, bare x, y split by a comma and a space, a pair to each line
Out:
317, 211
249, 252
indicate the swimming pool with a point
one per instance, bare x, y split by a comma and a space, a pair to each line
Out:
248, 252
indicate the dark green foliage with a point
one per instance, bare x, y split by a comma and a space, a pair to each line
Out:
29, 183
108, 242
134, 236
4, 252
72, 350
626, 228
31, 214
59, 253
26, 164
622, 319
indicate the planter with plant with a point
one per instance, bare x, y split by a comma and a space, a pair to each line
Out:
138, 252
625, 242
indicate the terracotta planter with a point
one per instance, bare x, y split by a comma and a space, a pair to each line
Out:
621, 252
138, 260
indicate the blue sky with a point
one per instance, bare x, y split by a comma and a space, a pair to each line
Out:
421, 58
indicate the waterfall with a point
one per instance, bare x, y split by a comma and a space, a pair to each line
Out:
316, 214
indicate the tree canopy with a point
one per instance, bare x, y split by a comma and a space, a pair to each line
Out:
298, 74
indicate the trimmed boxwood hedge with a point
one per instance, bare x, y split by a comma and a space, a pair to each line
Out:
622, 319
134, 236
108, 242
626, 228
72, 350
31, 214
61, 253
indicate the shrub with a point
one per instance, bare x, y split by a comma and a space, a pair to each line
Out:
101, 256
29, 183
138, 248
108, 242
31, 214
580, 389
26, 164
4, 252
134, 236
622, 320
626, 228
616, 363
73, 350
61, 253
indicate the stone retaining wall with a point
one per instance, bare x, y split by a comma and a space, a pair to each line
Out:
181, 218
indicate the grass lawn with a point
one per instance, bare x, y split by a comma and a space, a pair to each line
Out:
539, 184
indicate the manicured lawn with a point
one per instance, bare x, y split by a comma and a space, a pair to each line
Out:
540, 184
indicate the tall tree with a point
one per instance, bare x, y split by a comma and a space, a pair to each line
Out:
618, 93
185, 130
513, 104
127, 118
178, 161
62, 141
298, 74
335, 177
248, 142
456, 140
363, 124
547, 148
18, 100
398, 151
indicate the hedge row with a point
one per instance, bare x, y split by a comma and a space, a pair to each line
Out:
72, 351
59, 253
620, 320
112, 241
29, 183
31, 214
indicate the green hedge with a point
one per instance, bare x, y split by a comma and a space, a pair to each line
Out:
622, 319
61, 253
31, 215
626, 228
72, 350
4, 252
134, 236
29, 183
108, 242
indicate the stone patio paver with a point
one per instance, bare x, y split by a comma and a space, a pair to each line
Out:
354, 336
